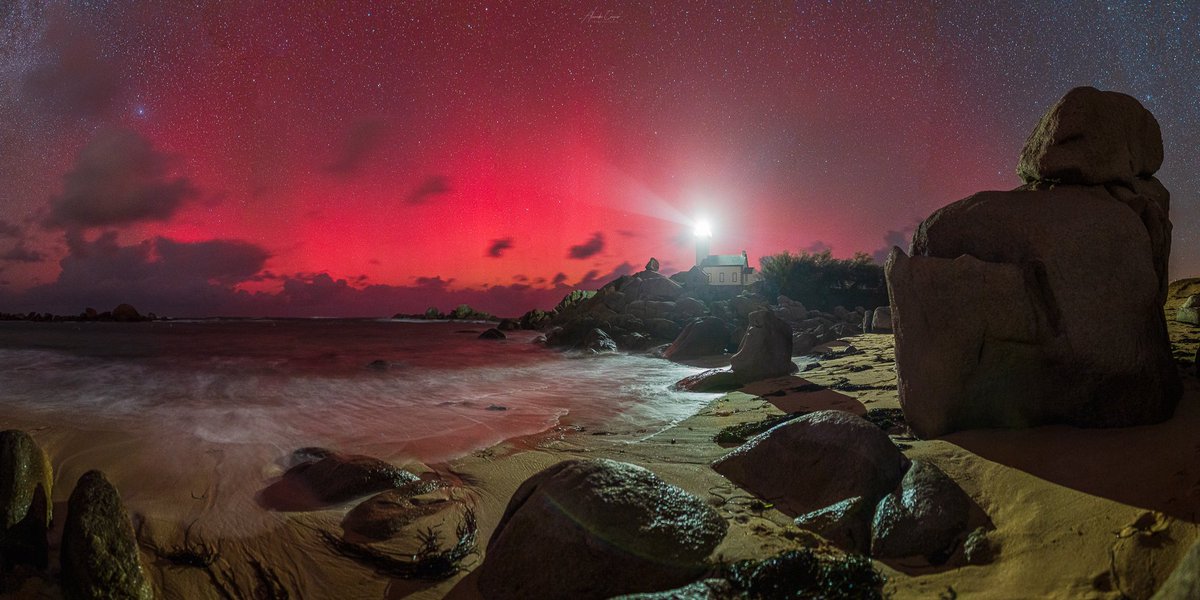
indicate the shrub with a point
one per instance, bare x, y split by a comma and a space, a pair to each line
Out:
821, 282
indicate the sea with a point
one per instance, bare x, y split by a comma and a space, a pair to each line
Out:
405, 390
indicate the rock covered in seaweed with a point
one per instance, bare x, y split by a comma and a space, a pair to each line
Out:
597, 529
99, 550
389, 513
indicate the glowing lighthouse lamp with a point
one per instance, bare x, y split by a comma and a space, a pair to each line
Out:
703, 234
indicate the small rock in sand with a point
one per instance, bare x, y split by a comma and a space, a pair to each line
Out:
26, 483
332, 479
99, 550
924, 516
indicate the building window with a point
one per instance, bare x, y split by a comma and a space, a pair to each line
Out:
735, 277
722, 277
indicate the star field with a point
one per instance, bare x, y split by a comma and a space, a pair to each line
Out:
375, 157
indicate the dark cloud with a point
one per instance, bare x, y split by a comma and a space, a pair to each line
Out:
559, 279
8, 229
119, 178
627, 233
521, 278
435, 185
497, 247
182, 279
20, 253
73, 79
901, 238
588, 249
360, 141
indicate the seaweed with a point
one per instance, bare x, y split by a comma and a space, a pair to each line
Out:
737, 434
429, 563
199, 555
887, 419
804, 574
843, 384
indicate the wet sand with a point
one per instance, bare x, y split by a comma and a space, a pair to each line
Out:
1072, 513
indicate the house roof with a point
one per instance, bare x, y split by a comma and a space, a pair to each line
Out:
724, 260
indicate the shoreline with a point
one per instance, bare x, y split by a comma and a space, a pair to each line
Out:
1070, 547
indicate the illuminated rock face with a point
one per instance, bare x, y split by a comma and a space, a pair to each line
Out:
597, 529
1043, 304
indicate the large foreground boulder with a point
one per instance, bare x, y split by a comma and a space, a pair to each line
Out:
766, 349
332, 479
996, 313
1090, 137
99, 550
26, 483
816, 461
597, 529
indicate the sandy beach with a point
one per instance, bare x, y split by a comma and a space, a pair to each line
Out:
1066, 511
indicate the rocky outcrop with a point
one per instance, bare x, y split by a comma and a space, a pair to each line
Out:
536, 319
996, 311
926, 515
815, 461
597, 341
26, 483
492, 334
652, 264
597, 529
332, 479
99, 550
573, 299
702, 337
766, 350
125, 313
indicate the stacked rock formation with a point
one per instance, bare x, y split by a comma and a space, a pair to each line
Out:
1044, 304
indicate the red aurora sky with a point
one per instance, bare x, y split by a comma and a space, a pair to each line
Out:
263, 159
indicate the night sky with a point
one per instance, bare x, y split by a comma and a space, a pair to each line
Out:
263, 158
